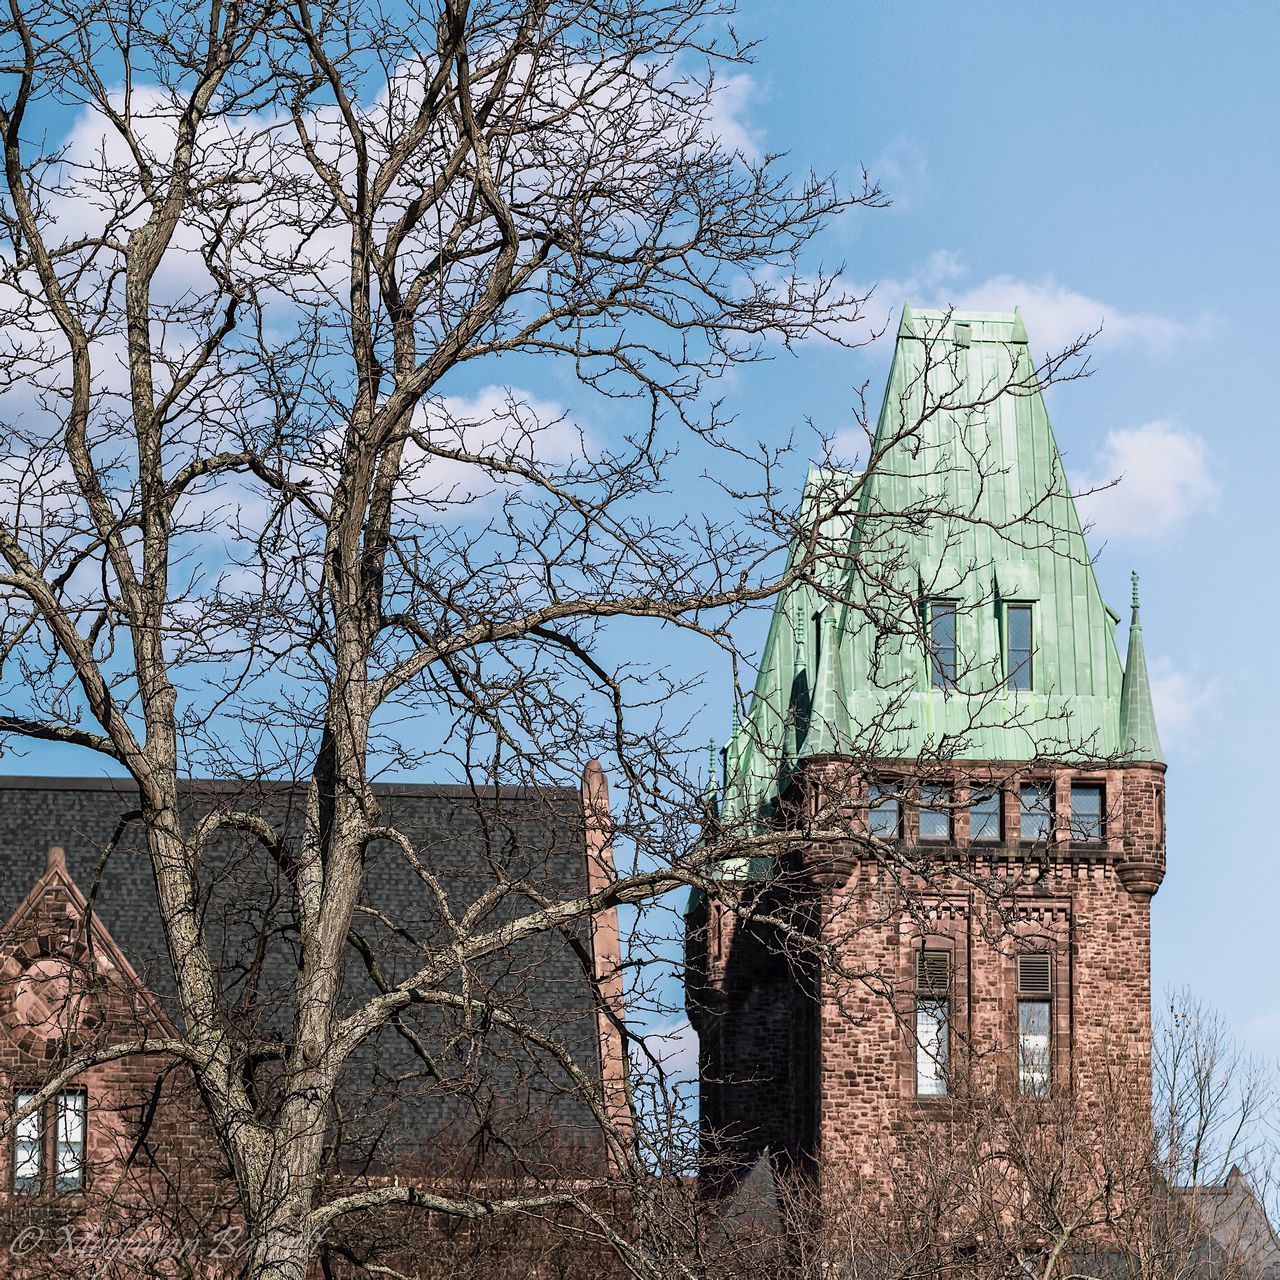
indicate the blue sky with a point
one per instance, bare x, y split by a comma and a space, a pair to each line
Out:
1093, 163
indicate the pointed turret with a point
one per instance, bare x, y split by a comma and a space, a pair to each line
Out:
1138, 736
711, 790
980, 459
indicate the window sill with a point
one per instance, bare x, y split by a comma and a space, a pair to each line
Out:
930, 1102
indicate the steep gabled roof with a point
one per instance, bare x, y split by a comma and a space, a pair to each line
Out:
531, 841
966, 499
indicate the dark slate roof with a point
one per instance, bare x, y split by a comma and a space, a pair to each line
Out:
438, 1077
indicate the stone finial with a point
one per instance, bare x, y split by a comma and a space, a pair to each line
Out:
1133, 579
55, 859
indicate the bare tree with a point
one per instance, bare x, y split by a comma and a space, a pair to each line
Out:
1083, 1186
260, 522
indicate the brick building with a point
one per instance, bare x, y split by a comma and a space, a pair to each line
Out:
124, 1153
973, 781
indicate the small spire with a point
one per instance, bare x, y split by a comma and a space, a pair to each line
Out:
729, 755
1138, 736
55, 859
711, 791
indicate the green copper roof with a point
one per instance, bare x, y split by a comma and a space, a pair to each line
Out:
942, 515
1138, 733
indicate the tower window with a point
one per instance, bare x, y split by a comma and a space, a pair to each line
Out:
986, 816
1035, 1006
49, 1143
1087, 812
1017, 643
933, 1022
28, 1147
935, 812
1036, 816
68, 1157
884, 813
942, 643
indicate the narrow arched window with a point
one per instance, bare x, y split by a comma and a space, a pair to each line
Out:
933, 1022
1035, 1036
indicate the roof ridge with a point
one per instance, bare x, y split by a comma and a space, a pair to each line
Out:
60, 782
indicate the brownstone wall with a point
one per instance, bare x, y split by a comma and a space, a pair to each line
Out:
767, 1042
757, 1024
154, 1178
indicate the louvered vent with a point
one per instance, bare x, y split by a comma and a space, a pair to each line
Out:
933, 972
1033, 975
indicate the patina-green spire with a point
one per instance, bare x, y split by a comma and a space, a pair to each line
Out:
1138, 736
711, 789
980, 460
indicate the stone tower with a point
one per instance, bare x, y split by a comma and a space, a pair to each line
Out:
946, 778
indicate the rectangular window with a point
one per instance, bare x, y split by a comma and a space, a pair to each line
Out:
935, 812
1034, 1023
986, 816
884, 813
942, 643
1087, 810
1036, 812
68, 1166
1017, 642
51, 1140
933, 1022
28, 1147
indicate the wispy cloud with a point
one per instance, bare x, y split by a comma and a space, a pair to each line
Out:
902, 169
1181, 700
1054, 313
729, 114
674, 1044
1262, 1033
1164, 477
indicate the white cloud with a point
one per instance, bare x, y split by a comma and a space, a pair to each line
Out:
727, 117
1164, 478
902, 169
1180, 700
1055, 315
675, 1045
503, 424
